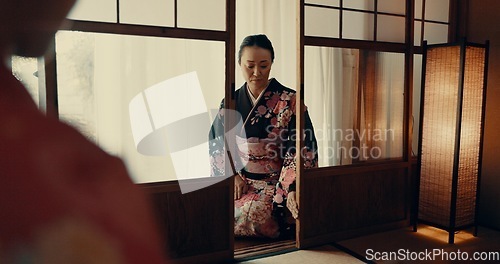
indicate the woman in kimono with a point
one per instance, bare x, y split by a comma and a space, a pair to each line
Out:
265, 186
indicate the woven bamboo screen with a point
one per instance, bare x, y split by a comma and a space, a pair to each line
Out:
451, 135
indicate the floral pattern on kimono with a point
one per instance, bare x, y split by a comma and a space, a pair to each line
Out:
267, 148
253, 212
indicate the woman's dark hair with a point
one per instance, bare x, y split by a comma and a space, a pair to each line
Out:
260, 41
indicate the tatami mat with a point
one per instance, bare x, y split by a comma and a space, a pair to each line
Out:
403, 240
427, 239
323, 254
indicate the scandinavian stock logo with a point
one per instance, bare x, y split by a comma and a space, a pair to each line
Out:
175, 111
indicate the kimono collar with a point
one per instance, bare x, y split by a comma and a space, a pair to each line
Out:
254, 99
244, 103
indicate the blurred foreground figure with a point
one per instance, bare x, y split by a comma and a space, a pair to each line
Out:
62, 199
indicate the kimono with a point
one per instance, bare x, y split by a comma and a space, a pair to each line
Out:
266, 153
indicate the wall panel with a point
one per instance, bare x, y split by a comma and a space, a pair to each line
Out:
354, 203
481, 25
196, 224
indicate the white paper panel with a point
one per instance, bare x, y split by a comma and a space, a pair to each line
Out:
435, 33
147, 12
206, 14
321, 22
391, 29
360, 4
418, 33
331, 79
437, 10
418, 9
357, 25
99, 75
94, 10
324, 2
392, 6
25, 69
417, 88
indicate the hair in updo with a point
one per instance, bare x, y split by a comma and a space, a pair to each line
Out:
260, 41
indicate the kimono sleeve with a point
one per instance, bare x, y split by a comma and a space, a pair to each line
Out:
216, 146
224, 157
288, 174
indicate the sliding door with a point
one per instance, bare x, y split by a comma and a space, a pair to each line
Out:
143, 81
357, 79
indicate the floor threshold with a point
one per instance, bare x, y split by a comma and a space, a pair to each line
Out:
264, 250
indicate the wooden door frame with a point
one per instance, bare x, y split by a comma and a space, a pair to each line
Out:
300, 124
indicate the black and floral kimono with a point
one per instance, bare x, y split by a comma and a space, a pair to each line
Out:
266, 152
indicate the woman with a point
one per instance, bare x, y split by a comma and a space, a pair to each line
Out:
267, 181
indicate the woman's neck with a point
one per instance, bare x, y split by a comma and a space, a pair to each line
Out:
256, 91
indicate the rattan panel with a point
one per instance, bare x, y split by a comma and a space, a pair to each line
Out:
470, 135
452, 107
438, 134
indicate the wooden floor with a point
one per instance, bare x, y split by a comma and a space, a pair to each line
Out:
247, 248
246, 242
324, 254
403, 240
426, 239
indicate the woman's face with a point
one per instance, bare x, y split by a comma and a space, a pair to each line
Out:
256, 66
